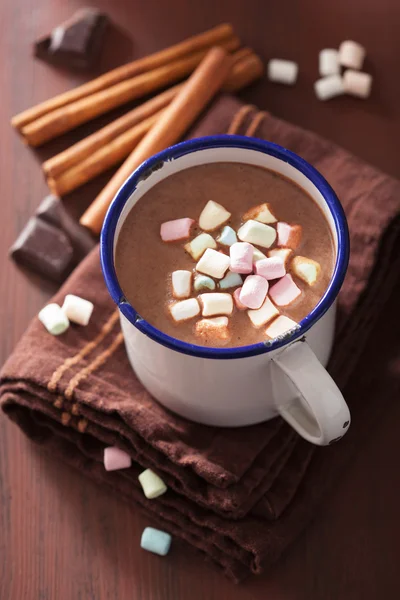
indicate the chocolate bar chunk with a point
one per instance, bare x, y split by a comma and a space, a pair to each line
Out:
75, 43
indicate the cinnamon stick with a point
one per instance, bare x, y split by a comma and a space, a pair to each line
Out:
68, 117
244, 72
193, 44
207, 79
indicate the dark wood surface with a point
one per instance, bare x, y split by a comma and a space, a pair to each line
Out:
60, 535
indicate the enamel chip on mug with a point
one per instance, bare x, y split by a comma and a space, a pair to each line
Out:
115, 459
199, 245
288, 235
152, 485
78, 310
329, 62
271, 268
283, 253
262, 213
228, 236
264, 314
254, 291
185, 309
216, 304
351, 54
236, 298
213, 216
181, 284
241, 255
282, 71
230, 280
215, 329
156, 541
54, 319
285, 291
357, 83
213, 263
202, 282
306, 269
329, 87
173, 231
280, 326
257, 233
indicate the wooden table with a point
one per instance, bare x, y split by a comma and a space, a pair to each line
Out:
60, 535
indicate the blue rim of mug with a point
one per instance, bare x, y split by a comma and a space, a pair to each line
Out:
203, 143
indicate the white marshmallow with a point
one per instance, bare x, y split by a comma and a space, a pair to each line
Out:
228, 236
351, 54
262, 315
283, 253
78, 310
329, 87
202, 282
306, 269
181, 284
357, 83
280, 326
282, 71
257, 255
199, 245
241, 255
54, 319
230, 280
272, 267
257, 233
262, 213
216, 304
213, 216
185, 309
213, 263
213, 330
329, 62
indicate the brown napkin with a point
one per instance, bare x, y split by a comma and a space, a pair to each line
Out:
240, 496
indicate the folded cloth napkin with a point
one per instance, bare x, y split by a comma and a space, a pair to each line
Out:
240, 496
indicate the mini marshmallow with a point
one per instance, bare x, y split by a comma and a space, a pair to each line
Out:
264, 314
282, 71
156, 541
228, 236
230, 280
199, 245
213, 263
54, 319
185, 309
216, 304
306, 269
284, 291
213, 216
271, 268
351, 54
78, 310
257, 255
280, 326
215, 329
283, 253
181, 284
202, 282
329, 87
357, 83
241, 255
179, 229
262, 213
236, 298
329, 62
153, 486
288, 235
114, 459
257, 233
254, 291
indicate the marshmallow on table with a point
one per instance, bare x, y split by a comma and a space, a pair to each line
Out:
236, 298
54, 319
228, 236
283, 253
262, 213
271, 268
213, 263
230, 280
284, 291
213, 329
115, 459
185, 309
203, 282
357, 83
181, 284
288, 235
254, 291
153, 486
216, 304
329, 87
329, 62
199, 245
78, 310
179, 229
351, 54
257, 233
257, 255
282, 71
264, 314
280, 326
213, 216
156, 541
306, 269
241, 255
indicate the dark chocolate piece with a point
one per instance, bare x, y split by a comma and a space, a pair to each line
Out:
75, 43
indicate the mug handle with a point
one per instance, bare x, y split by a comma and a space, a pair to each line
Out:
315, 408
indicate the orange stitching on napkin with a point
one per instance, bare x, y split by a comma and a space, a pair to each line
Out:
73, 360
256, 122
65, 418
58, 402
75, 409
82, 424
238, 118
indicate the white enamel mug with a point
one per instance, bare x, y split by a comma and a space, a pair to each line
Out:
231, 387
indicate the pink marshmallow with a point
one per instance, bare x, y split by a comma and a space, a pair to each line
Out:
179, 229
288, 235
284, 291
254, 291
115, 458
239, 305
271, 268
241, 254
